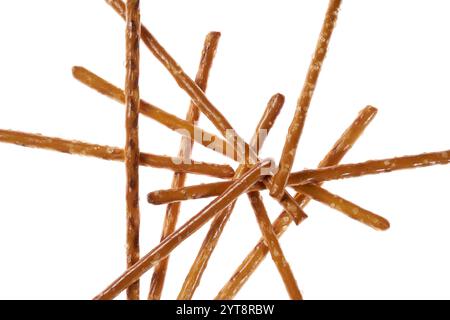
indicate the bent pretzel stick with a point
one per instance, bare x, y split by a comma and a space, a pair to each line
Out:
113, 153
207, 108
179, 178
164, 248
343, 171
298, 122
218, 224
334, 156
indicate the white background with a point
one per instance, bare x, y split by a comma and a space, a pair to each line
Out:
62, 217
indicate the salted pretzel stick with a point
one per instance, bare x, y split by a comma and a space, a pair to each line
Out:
348, 208
172, 122
343, 171
298, 122
133, 22
271, 241
164, 248
112, 153
211, 112
334, 156
218, 224
179, 178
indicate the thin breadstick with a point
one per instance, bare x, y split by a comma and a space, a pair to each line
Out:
179, 178
218, 224
371, 167
207, 108
272, 243
343, 171
334, 156
172, 122
113, 153
133, 22
304, 101
164, 248
350, 209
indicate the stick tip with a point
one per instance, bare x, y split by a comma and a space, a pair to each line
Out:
371, 108
214, 34
381, 224
76, 70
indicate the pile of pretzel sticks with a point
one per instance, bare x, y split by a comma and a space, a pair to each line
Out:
251, 176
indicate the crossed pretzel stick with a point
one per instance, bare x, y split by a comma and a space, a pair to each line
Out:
251, 176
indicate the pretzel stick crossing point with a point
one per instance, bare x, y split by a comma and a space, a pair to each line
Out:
343, 171
298, 122
173, 209
334, 156
133, 24
112, 153
173, 240
207, 108
218, 224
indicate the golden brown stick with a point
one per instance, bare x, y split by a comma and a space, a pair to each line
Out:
164, 248
133, 22
272, 243
298, 122
334, 156
172, 122
211, 112
218, 224
343, 171
179, 178
350, 209
112, 153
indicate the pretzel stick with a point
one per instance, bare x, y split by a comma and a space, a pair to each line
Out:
211, 112
218, 224
172, 122
334, 156
350, 209
112, 153
164, 248
343, 171
298, 122
133, 22
271, 241
173, 209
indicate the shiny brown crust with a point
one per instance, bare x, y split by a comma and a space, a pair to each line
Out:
179, 178
334, 156
304, 101
133, 25
164, 248
271, 241
346, 207
194, 276
172, 122
112, 153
